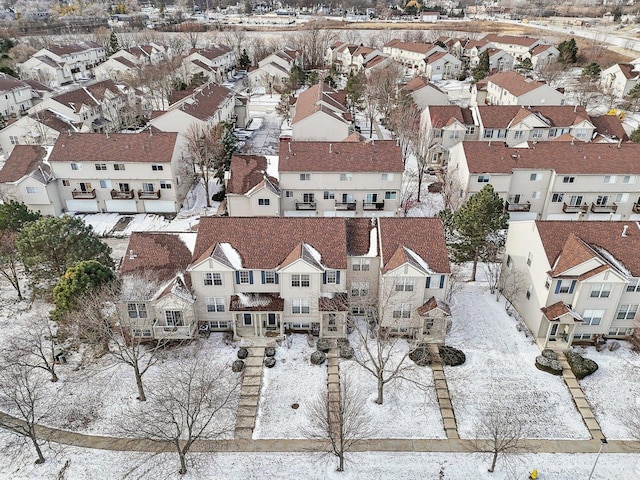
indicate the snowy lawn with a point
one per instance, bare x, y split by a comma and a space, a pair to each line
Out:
292, 380
613, 391
500, 373
410, 408
89, 464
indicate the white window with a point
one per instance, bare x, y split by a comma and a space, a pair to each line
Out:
345, 177
215, 304
529, 258
402, 310
535, 195
518, 134
488, 133
360, 264
622, 198
300, 305
139, 332
405, 284
148, 188
537, 133
156, 167
529, 291
592, 317
264, 202
101, 166
137, 310
387, 177
390, 195
582, 336
76, 166
118, 166
212, 278
105, 184
66, 183
610, 178
620, 332
629, 179
246, 319
470, 130
331, 276
568, 179
331, 322
359, 289
329, 195
32, 190
627, 312
600, 290
269, 276
557, 197
454, 135
358, 310
483, 178
165, 184
534, 177
14, 140
300, 280
305, 176
244, 276
174, 318
288, 193
634, 285
308, 197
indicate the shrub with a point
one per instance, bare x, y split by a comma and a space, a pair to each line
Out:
421, 355
451, 356
243, 353
549, 365
346, 352
318, 357
237, 366
270, 352
269, 362
580, 366
323, 345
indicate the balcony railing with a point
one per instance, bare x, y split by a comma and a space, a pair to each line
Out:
80, 194
305, 205
610, 208
118, 195
636, 208
178, 333
373, 205
144, 195
566, 208
518, 207
345, 205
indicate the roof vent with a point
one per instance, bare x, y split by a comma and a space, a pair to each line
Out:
132, 255
624, 230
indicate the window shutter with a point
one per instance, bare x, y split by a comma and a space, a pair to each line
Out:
324, 277
428, 284
441, 281
262, 272
338, 277
277, 278
251, 277
237, 277
573, 284
558, 285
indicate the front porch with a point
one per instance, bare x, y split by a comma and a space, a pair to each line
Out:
257, 315
558, 326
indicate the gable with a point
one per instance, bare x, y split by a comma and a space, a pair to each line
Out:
582, 268
299, 266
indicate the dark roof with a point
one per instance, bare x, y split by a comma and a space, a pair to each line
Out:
311, 101
256, 302
23, 160
501, 116
115, 147
441, 115
247, 171
358, 236
515, 83
206, 101
346, 157
7, 82
609, 125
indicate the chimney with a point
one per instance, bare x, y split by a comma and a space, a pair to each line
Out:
619, 143
107, 134
330, 145
132, 255
289, 147
624, 230
575, 109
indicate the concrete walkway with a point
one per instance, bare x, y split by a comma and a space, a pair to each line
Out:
249, 393
333, 382
442, 392
579, 399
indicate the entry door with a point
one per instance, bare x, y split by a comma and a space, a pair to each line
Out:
85, 187
271, 320
554, 332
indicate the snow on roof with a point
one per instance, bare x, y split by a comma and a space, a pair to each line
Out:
316, 254
373, 243
232, 255
419, 260
253, 300
189, 239
617, 264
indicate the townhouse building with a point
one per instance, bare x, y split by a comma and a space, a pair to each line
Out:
125, 64
41, 128
349, 58
214, 62
62, 64
275, 68
518, 47
444, 126
542, 55
120, 172
411, 55
359, 178
311, 275
552, 180
620, 78
582, 279
16, 96
442, 66
321, 114
250, 190
511, 88
425, 93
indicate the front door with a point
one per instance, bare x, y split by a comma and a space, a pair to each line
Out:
553, 333
272, 321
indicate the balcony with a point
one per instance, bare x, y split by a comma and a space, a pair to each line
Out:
143, 195
305, 205
83, 195
373, 205
636, 208
518, 207
611, 208
345, 205
566, 208
118, 195
176, 333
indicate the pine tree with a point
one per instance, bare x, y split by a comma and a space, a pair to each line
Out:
568, 52
15, 215
482, 70
480, 223
244, 61
114, 45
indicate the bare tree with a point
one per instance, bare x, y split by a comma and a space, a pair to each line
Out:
190, 402
22, 397
35, 347
314, 42
405, 123
206, 152
10, 260
341, 420
498, 432
513, 284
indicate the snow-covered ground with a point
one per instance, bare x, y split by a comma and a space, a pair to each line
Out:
613, 391
89, 464
292, 380
500, 373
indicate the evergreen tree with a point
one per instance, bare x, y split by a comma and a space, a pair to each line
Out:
244, 61
15, 215
479, 224
568, 52
296, 78
634, 96
355, 90
283, 108
635, 136
591, 71
50, 245
312, 78
482, 70
525, 65
114, 45
78, 280
330, 81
